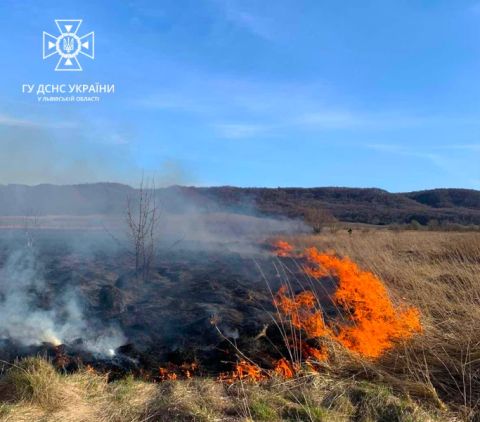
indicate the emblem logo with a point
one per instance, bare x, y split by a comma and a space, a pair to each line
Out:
68, 45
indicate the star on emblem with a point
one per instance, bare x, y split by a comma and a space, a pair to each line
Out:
68, 45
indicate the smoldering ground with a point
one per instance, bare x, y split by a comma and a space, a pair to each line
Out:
70, 279
33, 313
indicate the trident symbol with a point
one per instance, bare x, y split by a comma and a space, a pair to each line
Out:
68, 44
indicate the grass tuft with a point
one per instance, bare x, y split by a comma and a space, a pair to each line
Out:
34, 380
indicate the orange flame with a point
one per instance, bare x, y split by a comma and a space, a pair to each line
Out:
284, 368
188, 369
166, 375
314, 353
282, 248
369, 323
173, 372
372, 323
244, 371
302, 311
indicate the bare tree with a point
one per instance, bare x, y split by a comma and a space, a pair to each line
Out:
318, 218
142, 220
31, 223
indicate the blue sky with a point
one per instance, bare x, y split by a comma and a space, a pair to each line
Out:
249, 93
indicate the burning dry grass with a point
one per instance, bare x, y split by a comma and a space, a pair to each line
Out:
368, 323
439, 274
432, 376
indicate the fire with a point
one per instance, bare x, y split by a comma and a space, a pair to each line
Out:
284, 368
370, 324
314, 354
303, 312
174, 372
244, 371
367, 322
375, 323
282, 248
166, 375
188, 369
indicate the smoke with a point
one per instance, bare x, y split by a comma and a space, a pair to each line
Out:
225, 230
71, 153
31, 314
61, 154
83, 217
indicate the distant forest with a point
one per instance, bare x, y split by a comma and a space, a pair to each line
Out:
370, 206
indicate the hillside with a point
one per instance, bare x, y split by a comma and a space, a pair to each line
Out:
369, 205
447, 198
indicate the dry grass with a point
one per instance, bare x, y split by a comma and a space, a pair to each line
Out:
435, 377
440, 274
41, 394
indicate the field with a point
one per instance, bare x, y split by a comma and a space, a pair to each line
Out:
434, 375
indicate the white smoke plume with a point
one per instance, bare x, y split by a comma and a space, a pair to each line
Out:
28, 317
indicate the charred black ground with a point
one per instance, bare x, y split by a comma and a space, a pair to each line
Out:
199, 302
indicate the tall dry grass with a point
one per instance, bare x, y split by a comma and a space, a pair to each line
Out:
439, 273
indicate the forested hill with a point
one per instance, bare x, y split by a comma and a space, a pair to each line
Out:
373, 206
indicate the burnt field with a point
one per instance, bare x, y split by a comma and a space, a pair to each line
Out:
75, 297
235, 325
